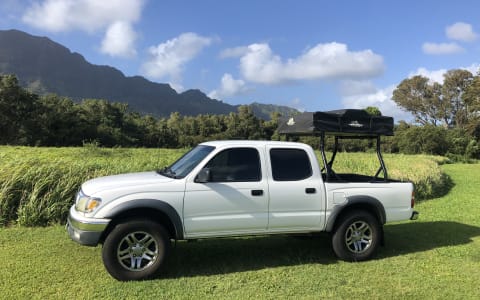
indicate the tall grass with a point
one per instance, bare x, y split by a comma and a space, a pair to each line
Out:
37, 185
423, 170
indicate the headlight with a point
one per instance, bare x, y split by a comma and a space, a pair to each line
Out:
86, 204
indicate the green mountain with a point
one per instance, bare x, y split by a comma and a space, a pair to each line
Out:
263, 111
45, 66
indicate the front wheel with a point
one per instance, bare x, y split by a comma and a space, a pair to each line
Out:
357, 236
135, 250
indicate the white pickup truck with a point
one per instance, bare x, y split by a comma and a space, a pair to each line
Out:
234, 188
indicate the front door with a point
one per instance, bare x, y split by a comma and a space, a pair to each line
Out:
235, 198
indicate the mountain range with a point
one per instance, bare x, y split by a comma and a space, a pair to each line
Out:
44, 66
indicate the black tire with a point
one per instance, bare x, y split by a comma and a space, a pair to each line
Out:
357, 236
135, 250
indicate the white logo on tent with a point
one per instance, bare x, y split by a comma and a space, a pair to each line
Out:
355, 124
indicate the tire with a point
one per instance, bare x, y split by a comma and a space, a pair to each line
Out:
135, 250
357, 236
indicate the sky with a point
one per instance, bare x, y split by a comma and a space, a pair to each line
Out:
312, 55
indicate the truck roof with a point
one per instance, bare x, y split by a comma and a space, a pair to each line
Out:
225, 143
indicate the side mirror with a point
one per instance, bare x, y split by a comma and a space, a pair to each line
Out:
203, 176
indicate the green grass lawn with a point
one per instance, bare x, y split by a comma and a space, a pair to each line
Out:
436, 257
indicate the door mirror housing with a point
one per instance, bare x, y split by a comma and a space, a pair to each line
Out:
203, 176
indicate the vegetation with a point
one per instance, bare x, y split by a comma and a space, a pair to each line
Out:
51, 120
435, 257
37, 185
455, 103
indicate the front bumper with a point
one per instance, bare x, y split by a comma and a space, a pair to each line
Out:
84, 230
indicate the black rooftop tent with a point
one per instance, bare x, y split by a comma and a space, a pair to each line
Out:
336, 122
343, 124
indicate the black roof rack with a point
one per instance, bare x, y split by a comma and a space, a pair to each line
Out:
343, 124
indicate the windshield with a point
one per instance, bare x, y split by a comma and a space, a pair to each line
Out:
187, 162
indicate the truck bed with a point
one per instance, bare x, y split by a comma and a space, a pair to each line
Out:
347, 177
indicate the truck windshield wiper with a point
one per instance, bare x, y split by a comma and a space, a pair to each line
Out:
167, 171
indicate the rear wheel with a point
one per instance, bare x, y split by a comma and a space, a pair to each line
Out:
135, 250
357, 236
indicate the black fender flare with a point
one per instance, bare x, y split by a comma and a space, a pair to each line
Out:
358, 200
154, 204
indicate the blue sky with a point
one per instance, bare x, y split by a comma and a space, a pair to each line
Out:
311, 55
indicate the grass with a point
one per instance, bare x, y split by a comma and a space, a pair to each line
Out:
37, 185
436, 257
423, 170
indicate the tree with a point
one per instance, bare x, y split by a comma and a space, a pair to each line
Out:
57, 122
373, 111
244, 124
471, 98
422, 99
455, 84
434, 103
18, 109
427, 139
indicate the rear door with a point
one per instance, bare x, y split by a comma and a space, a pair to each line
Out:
297, 196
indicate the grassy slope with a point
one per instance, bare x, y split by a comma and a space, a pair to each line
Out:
435, 257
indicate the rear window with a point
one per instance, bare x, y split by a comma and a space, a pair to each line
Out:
290, 164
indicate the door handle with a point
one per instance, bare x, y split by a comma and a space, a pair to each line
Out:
257, 192
310, 190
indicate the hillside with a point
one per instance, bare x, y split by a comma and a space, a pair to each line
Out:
45, 66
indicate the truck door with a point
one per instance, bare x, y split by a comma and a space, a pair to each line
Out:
297, 196
235, 198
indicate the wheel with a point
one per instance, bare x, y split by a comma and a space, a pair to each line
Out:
135, 250
357, 236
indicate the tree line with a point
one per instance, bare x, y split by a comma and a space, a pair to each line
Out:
51, 120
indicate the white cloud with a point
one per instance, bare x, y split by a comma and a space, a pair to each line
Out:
473, 68
380, 98
234, 52
433, 75
461, 32
114, 18
177, 87
119, 40
356, 87
169, 58
229, 87
297, 104
86, 15
437, 75
441, 48
324, 61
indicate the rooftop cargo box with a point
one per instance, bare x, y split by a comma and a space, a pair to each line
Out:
336, 122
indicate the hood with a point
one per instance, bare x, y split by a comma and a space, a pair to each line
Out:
100, 184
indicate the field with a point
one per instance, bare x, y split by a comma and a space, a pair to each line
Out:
436, 257
37, 185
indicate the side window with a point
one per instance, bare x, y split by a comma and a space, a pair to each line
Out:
234, 165
290, 164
